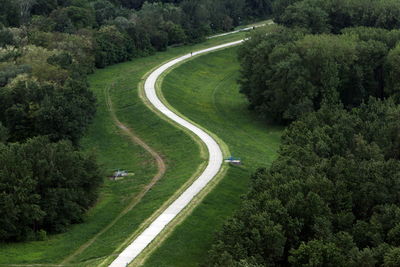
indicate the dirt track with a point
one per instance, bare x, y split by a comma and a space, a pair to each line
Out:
160, 173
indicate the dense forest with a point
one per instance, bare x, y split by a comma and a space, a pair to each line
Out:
330, 199
291, 72
109, 32
47, 49
330, 72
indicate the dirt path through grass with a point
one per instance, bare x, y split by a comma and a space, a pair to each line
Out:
160, 173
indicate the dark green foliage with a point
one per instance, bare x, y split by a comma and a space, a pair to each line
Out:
393, 73
253, 61
161, 24
111, 47
80, 17
72, 18
159, 40
140, 41
141, 26
62, 23
44, 187
322, 15
3, 134
330, 199
66, 113
279, 6
9, 15
43, 23
306, 15
157, 25
10, 72
80, 47
259, 8
389, 38
44, 7
286, 74
6, 37
137, 4
29, 109
195, 19
103, 11
64, 60
392, 258
175, 33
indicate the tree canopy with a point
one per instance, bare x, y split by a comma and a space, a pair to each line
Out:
44, 187
330, 72
321, 16
330, 199
287, 73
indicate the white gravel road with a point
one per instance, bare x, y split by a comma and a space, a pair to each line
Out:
213, 167
240, 30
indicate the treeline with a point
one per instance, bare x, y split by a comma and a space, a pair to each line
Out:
121, 29
288, 72
331, 197
324, 16
46, 184
44, 187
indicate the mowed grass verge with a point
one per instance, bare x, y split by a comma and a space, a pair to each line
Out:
205, 90
115, 150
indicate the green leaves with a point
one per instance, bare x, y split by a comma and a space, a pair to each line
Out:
332, 16
3, 134
330, 199
392, 67
29, 109
286, 74
305, 14
44, 186
111, 46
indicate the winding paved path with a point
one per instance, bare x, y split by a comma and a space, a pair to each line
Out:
213, 167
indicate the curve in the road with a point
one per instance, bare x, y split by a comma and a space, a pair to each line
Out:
214, 163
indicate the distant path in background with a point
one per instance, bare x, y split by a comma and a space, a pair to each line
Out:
160, 173
241, 30
214, 163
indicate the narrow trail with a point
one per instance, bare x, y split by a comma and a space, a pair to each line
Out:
160, 173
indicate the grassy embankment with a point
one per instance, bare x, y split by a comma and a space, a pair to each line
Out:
115, 150
205, 91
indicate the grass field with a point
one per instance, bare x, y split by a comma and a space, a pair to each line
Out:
205, 91
115, 150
